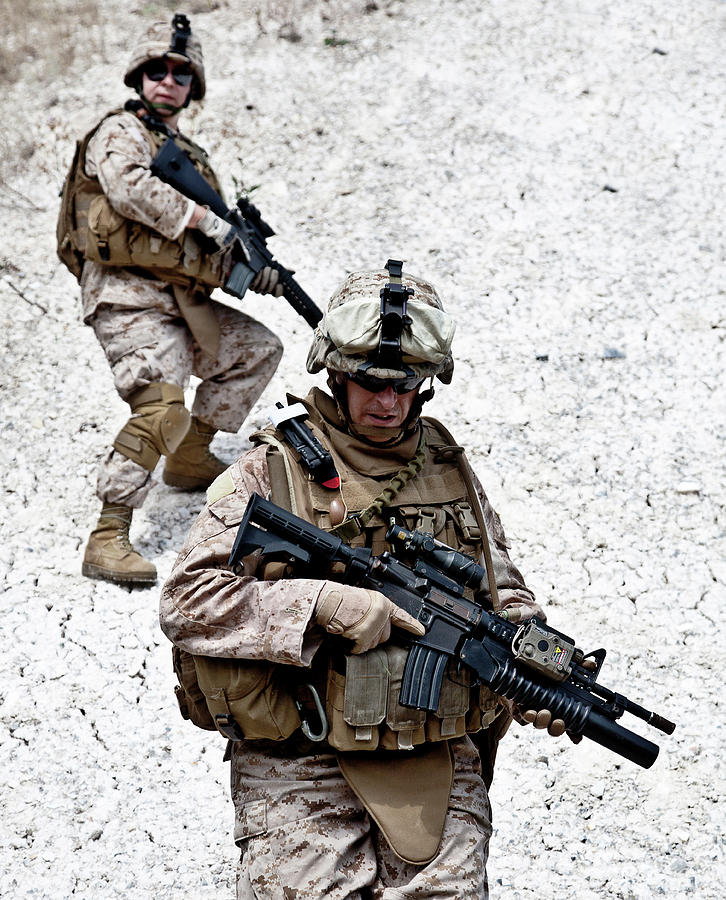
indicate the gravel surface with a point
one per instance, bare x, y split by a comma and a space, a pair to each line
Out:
557, 170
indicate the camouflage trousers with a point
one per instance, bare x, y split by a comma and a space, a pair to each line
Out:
145, 346
304, 834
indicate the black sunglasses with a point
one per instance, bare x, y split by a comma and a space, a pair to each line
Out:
156, 70
375, 385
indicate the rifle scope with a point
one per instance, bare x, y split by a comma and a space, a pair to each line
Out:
417, 545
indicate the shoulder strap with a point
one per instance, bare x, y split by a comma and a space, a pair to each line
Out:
466, 473
280, 472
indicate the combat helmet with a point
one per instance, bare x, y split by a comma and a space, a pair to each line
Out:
387, 325
176, 42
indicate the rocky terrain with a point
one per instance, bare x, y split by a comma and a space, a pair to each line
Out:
557, 170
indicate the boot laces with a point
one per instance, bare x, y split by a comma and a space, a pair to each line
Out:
122, 534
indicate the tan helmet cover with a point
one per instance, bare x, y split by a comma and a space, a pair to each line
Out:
350, 330
155, 43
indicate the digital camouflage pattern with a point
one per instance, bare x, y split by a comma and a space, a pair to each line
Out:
208, 610
304, 834
119, 155
139, 323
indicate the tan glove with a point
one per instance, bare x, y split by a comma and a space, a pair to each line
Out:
517, 613
216, 228
267, 281
363, 616
543, 718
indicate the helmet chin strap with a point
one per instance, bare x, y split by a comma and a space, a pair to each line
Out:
421, 398
160, 109
149, 117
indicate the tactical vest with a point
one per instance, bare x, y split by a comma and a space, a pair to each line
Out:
361, 693
90, 228
405, 793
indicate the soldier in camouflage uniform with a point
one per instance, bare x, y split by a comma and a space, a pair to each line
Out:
148, 261
392, 803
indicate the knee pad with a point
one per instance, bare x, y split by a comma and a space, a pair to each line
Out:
158, 425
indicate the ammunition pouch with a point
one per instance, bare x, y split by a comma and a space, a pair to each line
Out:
191, 700
113, 240
364, 713
157, 427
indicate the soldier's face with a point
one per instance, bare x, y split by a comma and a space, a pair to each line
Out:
164, 92
384, 409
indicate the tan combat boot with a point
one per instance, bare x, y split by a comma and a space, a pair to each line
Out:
109, 553
193, 466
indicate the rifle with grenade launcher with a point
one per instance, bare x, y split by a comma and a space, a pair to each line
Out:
530, 664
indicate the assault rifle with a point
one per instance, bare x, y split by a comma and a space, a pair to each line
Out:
172, 165
532, 664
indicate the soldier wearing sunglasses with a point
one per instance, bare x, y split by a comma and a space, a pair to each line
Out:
147, 259
338, 790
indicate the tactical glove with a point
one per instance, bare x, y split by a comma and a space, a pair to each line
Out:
517, 613
543, 718
216, 228
267, 281
363, 616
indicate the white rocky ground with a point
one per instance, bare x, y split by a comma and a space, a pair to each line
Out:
557, 170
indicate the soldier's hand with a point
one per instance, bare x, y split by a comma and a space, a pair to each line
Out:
363, 616
216, 228
517, 613
267, 281
543, 719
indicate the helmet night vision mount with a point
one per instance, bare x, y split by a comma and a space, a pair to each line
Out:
394, 297
182, 31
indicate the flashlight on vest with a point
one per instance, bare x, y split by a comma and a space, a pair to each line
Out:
290, 422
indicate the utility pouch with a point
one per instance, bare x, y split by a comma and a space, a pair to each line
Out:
356, 702
253, 694
483, 713
107, 237
189, 696
150, 250
114, 240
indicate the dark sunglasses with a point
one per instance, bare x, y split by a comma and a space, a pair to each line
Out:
375, 385
156, 70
